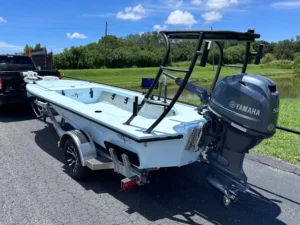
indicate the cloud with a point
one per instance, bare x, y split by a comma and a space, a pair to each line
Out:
2, 20
179, 17
196, 5
6, 45
196, 2
174, 3
290, 4
216, 8
219, 5
132, 13
210, 17
76, 35
9, 48
158, 27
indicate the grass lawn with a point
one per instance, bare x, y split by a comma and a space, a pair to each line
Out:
283, 145
131, 77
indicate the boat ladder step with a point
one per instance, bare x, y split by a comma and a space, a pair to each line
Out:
100, 163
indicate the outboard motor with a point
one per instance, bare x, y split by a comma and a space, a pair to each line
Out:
242, 111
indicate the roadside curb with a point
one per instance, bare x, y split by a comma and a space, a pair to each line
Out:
275, 163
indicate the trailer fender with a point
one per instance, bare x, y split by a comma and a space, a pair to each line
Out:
85, 147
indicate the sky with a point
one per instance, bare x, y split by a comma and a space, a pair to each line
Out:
59, 24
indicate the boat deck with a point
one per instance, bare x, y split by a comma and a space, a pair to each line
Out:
107, 105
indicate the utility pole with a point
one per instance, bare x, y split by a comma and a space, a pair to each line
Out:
213, 52
105, 44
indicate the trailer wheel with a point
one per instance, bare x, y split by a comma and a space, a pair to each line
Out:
73, 162
38, 111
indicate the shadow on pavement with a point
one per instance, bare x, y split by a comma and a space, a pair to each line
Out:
16, 112
180, 195
288, 199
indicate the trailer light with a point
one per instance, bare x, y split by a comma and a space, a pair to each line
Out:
127, 184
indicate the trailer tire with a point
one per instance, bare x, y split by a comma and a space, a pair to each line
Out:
37, 110
73, 162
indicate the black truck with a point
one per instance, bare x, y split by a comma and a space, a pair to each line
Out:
12, 85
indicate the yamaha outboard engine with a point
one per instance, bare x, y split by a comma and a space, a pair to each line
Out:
242, 111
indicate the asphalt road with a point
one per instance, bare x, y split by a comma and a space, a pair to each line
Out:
35, 189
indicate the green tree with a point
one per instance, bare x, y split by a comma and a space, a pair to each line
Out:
29, 48
268, 46
147, 49
234, 54
285, 49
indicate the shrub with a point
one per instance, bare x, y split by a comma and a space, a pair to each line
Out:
269, 57
296, 55
278, 64
296, 65
234, 54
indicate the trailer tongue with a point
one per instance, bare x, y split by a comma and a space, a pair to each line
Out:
138, 133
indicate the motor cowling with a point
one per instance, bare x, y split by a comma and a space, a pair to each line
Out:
242, 111
249, 102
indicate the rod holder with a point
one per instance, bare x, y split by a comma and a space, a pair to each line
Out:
135, 109
259, 54
205, 53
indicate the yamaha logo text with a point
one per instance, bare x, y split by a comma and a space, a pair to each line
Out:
244, 108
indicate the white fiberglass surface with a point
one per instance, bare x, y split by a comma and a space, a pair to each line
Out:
113, 106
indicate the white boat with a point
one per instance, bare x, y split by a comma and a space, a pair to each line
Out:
103, 114
135, 133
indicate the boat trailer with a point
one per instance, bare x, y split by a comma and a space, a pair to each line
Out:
84, 153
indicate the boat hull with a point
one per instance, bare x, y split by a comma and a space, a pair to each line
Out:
100, 111
152, 154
